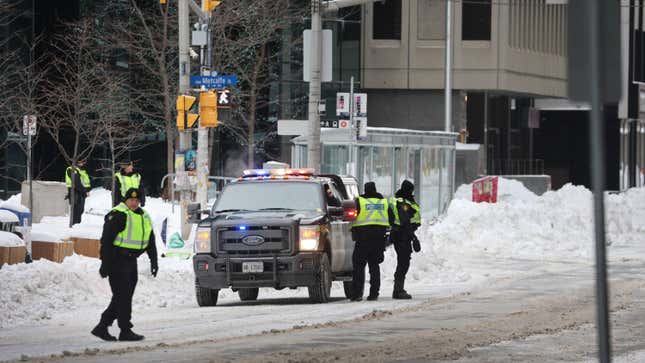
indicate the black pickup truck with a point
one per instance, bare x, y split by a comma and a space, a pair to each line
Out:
274, 228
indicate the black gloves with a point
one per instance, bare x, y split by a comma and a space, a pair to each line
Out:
104, 270
416, 245
154, 267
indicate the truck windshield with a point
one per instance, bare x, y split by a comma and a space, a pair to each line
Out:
270, 196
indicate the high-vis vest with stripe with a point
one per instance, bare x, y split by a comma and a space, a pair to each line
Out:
128, 181
373, 212
416, 218
138, 228
85, 179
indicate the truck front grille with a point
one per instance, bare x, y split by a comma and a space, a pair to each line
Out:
255, 240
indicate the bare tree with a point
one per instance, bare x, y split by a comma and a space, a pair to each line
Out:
247, 36
72, 94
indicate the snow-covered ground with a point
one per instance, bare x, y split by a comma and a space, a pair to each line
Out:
555, 226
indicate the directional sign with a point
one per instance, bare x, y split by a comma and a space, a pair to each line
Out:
329, 124
214, 81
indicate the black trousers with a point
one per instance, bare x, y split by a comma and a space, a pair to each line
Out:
372, 256
403, 248
78, 208
123, 280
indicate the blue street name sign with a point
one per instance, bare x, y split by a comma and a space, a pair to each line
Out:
214, 81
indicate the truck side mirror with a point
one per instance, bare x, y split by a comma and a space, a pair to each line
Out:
349, 210
194, 213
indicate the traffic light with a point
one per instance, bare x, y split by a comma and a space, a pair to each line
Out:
162, 2
184, 118
208, 109
210, 5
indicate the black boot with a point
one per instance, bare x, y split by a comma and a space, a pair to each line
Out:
101, 331
372, 297
399, 292
129, 336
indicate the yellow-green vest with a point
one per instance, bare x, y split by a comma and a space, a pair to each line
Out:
138, 228
373, 212
128, 181
85, 178
416, 218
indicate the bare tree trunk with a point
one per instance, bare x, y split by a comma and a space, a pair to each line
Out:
253, 105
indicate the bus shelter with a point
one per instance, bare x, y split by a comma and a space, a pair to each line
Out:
387, 156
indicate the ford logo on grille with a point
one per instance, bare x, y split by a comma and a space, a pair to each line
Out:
253, 240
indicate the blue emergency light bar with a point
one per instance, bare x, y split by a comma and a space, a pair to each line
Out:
259, 173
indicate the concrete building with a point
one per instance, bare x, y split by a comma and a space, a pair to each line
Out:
505, 55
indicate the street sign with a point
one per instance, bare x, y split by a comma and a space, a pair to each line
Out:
322, 107
332, 124
361, 127
342, 104
221, 81
29, 125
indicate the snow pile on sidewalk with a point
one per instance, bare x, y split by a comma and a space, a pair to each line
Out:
556, 225
8, 239
44, 289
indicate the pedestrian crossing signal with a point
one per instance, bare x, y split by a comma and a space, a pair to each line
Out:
208, 109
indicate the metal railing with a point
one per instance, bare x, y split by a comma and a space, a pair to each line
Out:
516, 167
218, 181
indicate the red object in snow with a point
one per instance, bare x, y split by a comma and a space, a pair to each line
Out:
485, 189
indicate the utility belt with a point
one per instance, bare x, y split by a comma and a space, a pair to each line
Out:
127, 252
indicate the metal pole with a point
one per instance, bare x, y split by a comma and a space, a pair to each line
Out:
184, 87
202, 132
313, 141
597, 152
448, 68
351, 107
31, 198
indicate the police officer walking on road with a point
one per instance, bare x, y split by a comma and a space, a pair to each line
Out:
127, 178
407, 218
373, 220
81, 189
127, 233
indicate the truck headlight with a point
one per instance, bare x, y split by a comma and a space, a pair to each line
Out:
203, 240
309, 236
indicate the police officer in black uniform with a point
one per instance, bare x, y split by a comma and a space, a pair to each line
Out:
407, 220
373, 219
127, 233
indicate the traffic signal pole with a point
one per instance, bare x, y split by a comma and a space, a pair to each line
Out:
202, 132
185, 140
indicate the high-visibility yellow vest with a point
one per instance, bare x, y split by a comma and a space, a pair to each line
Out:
416, 218
373, 212
128, 181
138, 228
85, 178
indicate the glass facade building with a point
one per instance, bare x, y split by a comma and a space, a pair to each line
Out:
388, 156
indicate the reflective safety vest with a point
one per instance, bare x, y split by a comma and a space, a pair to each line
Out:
416, 217
128, 181
138, 228
85, 179
373, 212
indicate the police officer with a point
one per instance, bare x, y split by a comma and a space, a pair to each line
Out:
127, 178
374, 218
127, 233
81, 189
407, 218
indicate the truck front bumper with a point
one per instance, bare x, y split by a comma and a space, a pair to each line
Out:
279, 271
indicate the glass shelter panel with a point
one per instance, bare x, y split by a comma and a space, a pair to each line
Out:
335, 159
381, 172
430, 174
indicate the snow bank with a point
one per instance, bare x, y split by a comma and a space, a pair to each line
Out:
45, 237
555, 225
43, 289
8, 217
507, 189
10, 240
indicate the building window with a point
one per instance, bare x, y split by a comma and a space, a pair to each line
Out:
387, 20
476, 19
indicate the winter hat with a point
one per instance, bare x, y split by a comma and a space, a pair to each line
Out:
370, 188
407, 187
133, 193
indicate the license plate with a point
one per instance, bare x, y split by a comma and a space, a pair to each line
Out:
251, 267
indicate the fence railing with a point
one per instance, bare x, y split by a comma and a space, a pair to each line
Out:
516, 167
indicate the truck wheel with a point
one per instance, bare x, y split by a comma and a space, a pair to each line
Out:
349, 289
205, 296
250, 294
320, 291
